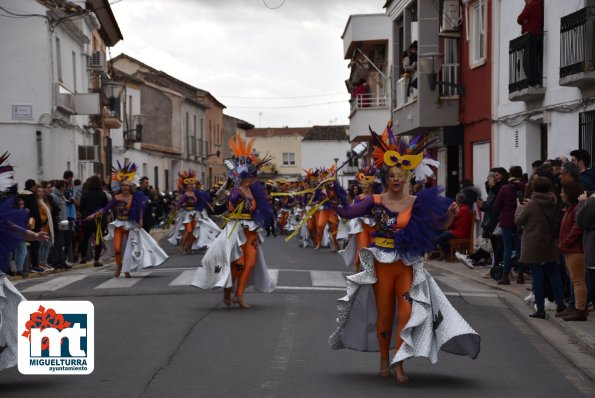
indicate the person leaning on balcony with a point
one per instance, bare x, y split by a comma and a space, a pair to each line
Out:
359, 94
531, 21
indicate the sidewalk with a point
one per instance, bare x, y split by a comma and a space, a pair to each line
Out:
582, 332
156, 233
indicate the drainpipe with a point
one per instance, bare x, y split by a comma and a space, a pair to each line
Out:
39, 156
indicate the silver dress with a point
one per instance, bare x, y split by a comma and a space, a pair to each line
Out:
140, 249
9, 303
215, 268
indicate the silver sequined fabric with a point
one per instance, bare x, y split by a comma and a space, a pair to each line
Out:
9, 303
140, 249
434, 324
205, 232
215, 270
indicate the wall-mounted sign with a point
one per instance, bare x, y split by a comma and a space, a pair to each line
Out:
22, 111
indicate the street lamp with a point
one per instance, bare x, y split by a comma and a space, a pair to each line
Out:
138, 122
112, 91
429, 64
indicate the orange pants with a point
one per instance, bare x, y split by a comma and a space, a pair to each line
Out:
120, 236
312, 221
283, 220
394, 281
188, 237
327, 216
241, 269
363, 240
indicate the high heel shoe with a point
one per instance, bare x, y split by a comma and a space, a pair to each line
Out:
239, 300
227, 296
127, 274
118, 270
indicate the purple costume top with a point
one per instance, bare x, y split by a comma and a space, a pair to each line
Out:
428, 215
127, 211
13, 226
197, 202
260, 208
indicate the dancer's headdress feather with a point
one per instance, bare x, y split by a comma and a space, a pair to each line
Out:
389, 151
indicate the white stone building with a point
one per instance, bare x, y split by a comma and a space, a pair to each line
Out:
325, 146
45, 100
544, 122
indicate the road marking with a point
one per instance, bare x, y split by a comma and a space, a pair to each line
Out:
327, 278
471, 294
278, 367
185, 278
274, 275
317, 288
122, 282
54, 283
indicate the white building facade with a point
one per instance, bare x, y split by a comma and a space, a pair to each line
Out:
45, 100
539, 123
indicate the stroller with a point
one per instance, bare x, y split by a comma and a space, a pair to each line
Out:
498, 269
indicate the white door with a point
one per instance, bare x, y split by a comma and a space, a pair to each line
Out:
481, 165
441, 177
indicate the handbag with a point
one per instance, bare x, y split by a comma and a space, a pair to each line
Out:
484, 244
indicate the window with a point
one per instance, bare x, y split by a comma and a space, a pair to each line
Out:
586, 126
58, 60
288, 159
186, 128
156, 175
200, 140
476, 33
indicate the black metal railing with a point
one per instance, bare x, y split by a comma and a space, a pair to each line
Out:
525, 62
577, 40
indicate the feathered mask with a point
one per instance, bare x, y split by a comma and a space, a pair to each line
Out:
126, 173
244, 163
367, 173
186, 177
393, 151
6, 173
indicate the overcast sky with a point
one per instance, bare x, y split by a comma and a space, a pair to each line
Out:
250, 57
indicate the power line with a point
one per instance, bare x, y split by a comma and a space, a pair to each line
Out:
286, 107
268, 98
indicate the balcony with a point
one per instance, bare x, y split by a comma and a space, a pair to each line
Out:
577, 48
368, 110
434, 104
525, 68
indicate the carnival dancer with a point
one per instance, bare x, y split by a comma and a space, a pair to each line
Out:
13, 229
236, 257
327, 212
283, 204
393, 288
130, 244
197, 230
359, 230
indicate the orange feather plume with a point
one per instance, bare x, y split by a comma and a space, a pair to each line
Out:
239, 147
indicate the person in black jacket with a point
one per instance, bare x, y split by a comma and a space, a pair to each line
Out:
148, 214
491, 214
92, 199
30, 201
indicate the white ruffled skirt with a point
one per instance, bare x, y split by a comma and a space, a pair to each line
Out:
140, 249
9, 303
434, 324
215, 268
205, 230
